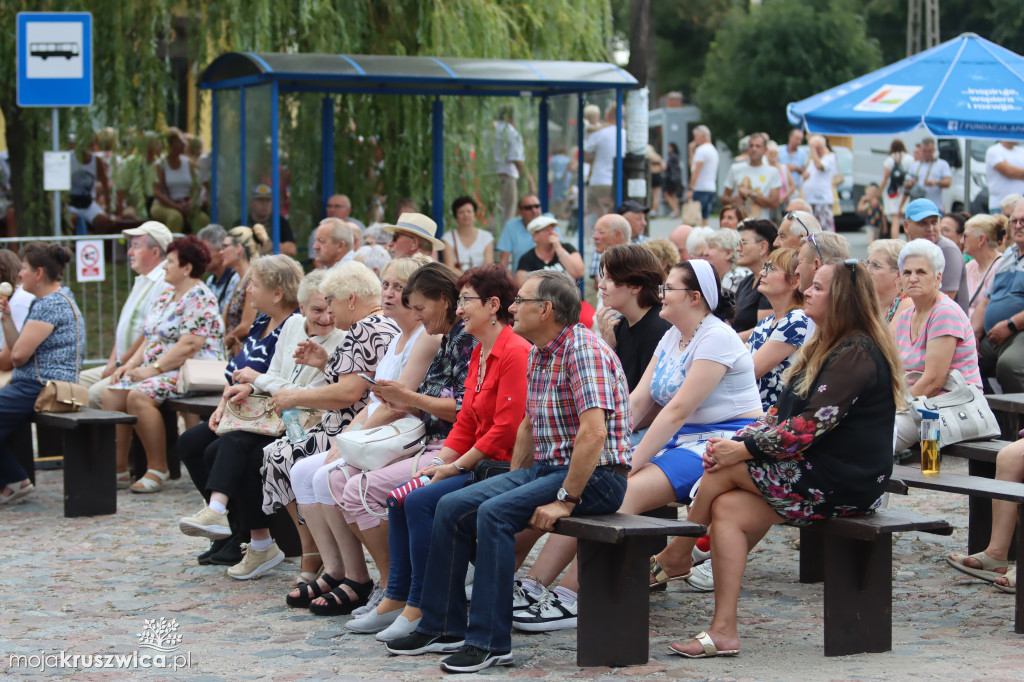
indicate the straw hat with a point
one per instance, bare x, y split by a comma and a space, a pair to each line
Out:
417, 225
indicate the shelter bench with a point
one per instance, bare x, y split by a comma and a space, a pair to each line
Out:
976, 487
614, 606
853, 556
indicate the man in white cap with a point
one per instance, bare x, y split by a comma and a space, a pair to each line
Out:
147, 248
413, 233
550, 253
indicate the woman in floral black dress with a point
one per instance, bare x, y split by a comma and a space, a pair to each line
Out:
824, 450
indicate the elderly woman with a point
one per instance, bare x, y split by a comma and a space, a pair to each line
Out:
492, 410
934, 336
274, 293
731, 217
700, 380
821, 452
982, 236
432, 295
883, 264
776, 338
184, 323
468, 245
240, 246
697, 242
49, 347
722, 252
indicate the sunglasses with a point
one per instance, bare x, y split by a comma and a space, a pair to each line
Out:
852, 264
810, 238
793, 216
529, 207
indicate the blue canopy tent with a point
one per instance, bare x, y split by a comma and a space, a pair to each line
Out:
265, 75
965, 87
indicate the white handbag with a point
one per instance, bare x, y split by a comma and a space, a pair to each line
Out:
964, 413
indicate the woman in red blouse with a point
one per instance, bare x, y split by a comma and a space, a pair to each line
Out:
492, 409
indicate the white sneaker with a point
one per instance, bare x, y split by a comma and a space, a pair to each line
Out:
255, 563
549, 613
701, 578
206, 524
376, 597
698, 556
373, 622
402, 627
521, 599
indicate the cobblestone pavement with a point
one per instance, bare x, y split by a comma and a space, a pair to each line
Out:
88, 586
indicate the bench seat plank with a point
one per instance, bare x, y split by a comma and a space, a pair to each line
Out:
203, 405
885, 522
614, 528
960, 484
976, 451
87, 415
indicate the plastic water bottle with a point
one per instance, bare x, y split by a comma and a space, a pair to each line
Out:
931, 459
293, 426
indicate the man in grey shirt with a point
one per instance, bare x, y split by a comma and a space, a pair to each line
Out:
922, 222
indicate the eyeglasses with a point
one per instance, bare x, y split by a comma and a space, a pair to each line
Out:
767, 268
529, 207
1016, 221
519, 301
746, 243
663, 289
810, 238
793, 216
873, 266
852, 264
226, 245
463, 299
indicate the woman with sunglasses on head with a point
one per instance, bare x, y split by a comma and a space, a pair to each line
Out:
882, 263
240, 247
823, 451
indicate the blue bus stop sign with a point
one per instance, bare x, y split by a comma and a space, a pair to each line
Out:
54, 59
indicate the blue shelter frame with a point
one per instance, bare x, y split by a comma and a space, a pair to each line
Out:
438, 77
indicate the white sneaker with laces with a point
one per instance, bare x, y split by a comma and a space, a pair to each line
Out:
549, 613
521, 599
701, 578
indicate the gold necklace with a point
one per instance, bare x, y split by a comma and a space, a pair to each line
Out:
482, 371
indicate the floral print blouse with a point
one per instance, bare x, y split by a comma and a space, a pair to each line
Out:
446, 376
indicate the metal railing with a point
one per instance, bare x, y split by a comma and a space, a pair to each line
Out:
100, 302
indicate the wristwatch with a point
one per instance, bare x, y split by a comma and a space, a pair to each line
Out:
156, 366
564, 496
461, 470
1012, 327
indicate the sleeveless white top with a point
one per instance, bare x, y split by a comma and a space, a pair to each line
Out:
178, 181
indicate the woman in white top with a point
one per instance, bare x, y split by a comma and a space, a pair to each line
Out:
173, 203
468, 245
892, 188
818, 180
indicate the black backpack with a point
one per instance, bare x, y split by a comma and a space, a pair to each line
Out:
82, 183
897, 177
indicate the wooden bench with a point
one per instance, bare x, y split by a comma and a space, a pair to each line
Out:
1008, 408
853, 556
981, 461
88, 447
976, 487
614, 606
282, 528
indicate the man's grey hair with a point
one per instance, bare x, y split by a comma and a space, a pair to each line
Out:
926, 249
805, 224
831, 245
340, 231
213, 234
928, 141
154, 244
1009, 203
698, 236
558, 287
616, 223
703, 130
726, 240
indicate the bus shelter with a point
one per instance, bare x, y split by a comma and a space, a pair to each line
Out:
251, 84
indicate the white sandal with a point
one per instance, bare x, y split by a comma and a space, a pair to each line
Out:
124, 480
149, 485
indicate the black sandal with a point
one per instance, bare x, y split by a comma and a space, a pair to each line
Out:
338, 601
304, 599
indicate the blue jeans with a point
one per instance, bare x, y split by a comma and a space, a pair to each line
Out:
707, 200
17, 400
490, 513
409, 531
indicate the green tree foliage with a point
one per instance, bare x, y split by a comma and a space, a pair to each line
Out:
781, 52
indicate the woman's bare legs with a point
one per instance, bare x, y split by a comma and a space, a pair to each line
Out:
348, 545
151, 429
739, 519
117, 401
321, 534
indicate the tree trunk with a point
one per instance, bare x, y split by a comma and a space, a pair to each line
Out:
640, 56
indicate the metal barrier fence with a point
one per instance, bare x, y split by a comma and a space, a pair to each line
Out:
100, 302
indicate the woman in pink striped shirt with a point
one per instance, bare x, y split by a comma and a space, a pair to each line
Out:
934, 336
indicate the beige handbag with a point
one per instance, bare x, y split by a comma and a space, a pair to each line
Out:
62, 396
691, 213
202, 376
253, 415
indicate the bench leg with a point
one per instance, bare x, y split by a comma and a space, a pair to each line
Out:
858, 595
1018, 607
812, 553
89, 471
20, 443
614, 605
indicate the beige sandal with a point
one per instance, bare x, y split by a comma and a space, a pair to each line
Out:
124, 480
710, 650
1011, 581
150, 485
988, 565
307, 576
661, 576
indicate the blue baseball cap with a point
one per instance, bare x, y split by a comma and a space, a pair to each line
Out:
919, 209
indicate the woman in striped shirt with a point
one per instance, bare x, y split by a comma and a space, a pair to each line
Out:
934, 336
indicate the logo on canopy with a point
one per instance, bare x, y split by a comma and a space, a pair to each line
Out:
888, 98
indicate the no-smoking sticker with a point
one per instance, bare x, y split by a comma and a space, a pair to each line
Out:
89, 261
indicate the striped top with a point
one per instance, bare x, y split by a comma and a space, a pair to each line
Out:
946, 319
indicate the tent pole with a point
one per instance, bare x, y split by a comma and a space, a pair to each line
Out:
326, 152
437, 163
581, 205
967, 174
214, 148
618, 148
542, 154
275, 168
242, 191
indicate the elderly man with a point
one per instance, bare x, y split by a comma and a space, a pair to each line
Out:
636, 213
798, 205
221, 279
922, 222
413, 233
1004, 167
332, 243
679, 237
338, 206
816, 251
357, 235
932, 172
703, 172
796, 227
515, 239
571, 457
609, 230
147, 245
753, 185
261, 210
1000, 315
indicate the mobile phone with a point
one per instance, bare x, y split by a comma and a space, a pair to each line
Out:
367, 378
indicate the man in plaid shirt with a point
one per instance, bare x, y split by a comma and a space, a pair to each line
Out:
572, 456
